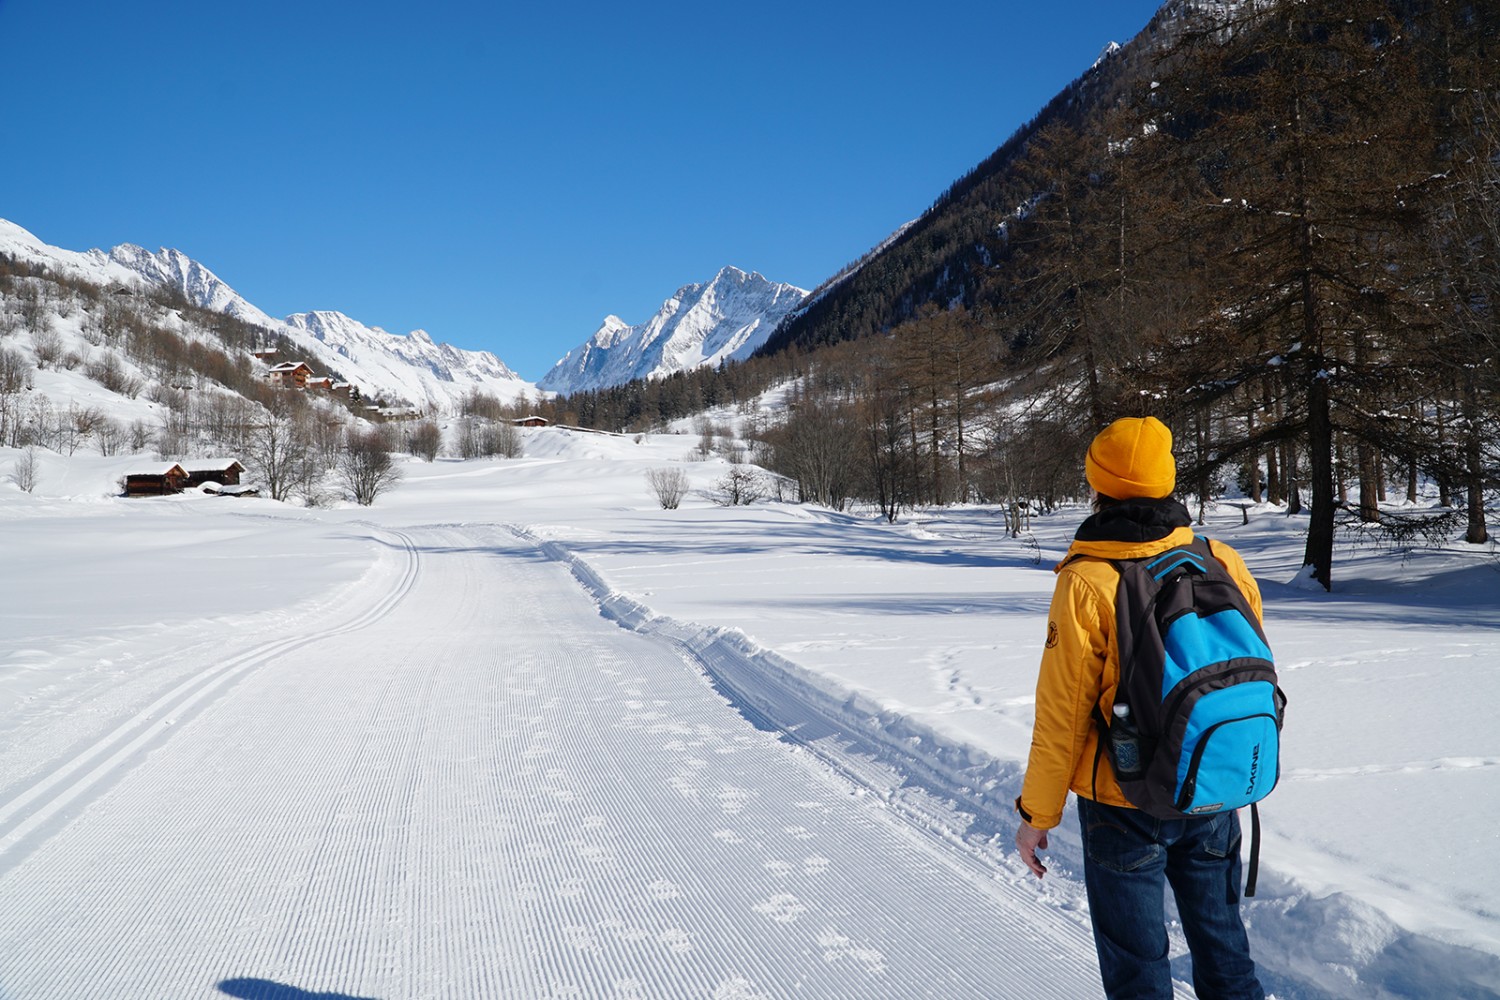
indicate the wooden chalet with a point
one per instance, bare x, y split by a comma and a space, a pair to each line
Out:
265, 353
157, 482
224, 472
531, 421
290, 374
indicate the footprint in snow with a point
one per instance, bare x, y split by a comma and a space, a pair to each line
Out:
621, 931
784, 908
591, 852
580, 938
732, 800
838, 947
676, 940
629, 989
738, 989
815, 865
661, 889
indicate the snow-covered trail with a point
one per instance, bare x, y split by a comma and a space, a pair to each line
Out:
474, 786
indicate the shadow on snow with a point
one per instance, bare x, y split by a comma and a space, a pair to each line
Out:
248, 988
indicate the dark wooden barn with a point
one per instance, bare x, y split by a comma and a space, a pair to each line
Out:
225, 472
160, 482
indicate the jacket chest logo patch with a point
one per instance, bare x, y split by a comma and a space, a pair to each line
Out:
1051, 634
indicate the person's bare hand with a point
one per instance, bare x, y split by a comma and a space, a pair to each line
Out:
1029, 840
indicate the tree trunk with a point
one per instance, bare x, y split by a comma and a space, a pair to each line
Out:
1319, 552
1369, 489
1445, 493
1274, 480
1252, 462
1200, 428
1478, 532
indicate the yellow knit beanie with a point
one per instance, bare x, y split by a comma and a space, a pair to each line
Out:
1132, 457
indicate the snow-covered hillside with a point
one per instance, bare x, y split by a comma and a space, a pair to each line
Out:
414, 367
411, 368
702, 324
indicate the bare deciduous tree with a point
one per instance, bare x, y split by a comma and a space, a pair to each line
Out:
278, 451
741, 485
46, 344
365, 469
819, 447
27, 470
668, 485
426, 440
109, 371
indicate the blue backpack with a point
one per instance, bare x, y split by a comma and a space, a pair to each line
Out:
1195, 728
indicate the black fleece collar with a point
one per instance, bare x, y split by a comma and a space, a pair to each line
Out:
1140, 520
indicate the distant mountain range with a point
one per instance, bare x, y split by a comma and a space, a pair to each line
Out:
410, 368
726, 318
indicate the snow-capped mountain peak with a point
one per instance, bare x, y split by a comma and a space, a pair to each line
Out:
199, 285
725, 318
420, 369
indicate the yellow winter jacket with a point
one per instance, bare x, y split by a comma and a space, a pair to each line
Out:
1081, 669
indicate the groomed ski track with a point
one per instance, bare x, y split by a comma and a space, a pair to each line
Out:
469, 784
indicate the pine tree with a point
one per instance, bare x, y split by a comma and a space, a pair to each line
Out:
1286, 119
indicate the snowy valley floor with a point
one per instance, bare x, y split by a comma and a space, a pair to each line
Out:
517, 732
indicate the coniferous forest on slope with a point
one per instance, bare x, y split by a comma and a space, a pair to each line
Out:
1277, 228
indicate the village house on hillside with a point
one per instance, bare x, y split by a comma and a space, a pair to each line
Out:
531, 421
298, 375
290, 374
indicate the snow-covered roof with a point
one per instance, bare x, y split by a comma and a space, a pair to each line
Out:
160, 470
211, 464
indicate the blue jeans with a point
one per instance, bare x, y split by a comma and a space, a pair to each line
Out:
1129, 857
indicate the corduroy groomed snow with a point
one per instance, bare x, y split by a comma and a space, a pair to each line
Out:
1132, 457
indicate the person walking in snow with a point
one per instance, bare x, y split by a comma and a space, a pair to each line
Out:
1128, 856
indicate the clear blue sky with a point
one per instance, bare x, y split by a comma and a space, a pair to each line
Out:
505, 175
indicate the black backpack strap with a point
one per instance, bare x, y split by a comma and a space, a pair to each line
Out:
1254, 871
1103, 727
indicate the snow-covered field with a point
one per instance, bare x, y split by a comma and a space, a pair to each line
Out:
517, 732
